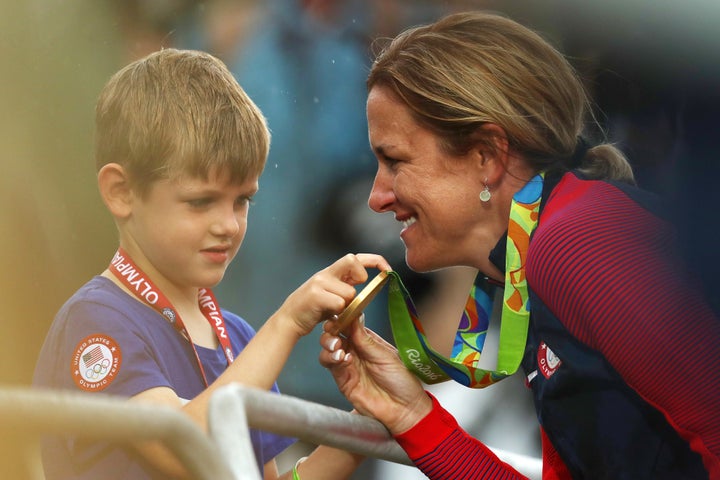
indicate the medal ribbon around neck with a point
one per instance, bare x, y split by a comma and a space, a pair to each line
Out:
145, 290
432, 367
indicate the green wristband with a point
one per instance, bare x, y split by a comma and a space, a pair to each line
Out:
296, 475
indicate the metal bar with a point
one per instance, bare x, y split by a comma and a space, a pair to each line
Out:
228, 426
40, 412
235, 406
228, 454
291, 416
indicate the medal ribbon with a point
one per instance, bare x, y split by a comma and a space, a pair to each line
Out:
137, 282
432, 367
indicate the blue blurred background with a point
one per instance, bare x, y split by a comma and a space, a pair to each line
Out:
653, 67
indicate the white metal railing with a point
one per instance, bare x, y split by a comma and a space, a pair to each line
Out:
226, 454
236, 405
39, 412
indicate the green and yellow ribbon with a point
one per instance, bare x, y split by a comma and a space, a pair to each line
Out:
432, 367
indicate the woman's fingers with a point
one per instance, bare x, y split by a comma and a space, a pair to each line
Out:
333, 351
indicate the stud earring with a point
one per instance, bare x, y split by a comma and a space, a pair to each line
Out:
485, 194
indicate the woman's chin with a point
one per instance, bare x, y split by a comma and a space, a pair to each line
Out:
419, 263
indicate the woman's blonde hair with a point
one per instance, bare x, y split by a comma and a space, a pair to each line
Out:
472, 68
176, 113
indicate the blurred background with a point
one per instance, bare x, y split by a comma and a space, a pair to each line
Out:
652, 66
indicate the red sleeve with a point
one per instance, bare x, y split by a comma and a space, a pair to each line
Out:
444, 451
610, 271
553, 466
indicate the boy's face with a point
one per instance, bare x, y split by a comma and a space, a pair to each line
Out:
184, 233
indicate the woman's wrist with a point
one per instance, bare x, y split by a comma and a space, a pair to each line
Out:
428, 432
411, 415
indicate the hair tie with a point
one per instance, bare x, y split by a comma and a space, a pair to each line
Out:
581, 148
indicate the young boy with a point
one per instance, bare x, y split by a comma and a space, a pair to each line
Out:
179, 151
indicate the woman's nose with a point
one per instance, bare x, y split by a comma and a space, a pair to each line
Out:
381, 195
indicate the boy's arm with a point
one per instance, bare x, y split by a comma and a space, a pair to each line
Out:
324, 463
259, 364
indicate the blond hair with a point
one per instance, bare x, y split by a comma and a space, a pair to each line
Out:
176, 113
472, 68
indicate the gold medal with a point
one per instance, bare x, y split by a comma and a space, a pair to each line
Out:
360, 301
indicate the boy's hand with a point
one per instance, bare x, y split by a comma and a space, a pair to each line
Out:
329, 291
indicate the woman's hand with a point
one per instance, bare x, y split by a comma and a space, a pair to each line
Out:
328, 291
369, 372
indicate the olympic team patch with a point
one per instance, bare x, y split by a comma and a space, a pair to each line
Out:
547, 360
95, 363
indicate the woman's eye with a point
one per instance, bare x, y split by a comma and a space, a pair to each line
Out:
391, 162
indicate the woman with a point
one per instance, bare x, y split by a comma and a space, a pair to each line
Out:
469, 117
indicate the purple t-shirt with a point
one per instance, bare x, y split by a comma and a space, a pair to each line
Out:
103, 340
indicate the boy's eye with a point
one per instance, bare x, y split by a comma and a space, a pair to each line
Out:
243, 201
199, 202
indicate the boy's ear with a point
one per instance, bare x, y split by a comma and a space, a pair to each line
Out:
492, 151
114, 186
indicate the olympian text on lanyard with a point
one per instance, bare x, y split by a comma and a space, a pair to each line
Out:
143, 288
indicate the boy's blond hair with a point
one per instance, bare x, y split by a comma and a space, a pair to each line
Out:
176, 113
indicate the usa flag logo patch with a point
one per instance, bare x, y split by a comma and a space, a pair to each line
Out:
95, 362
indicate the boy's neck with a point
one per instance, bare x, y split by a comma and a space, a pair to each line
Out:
186, 305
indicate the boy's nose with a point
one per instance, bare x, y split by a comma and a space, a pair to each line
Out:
227, 224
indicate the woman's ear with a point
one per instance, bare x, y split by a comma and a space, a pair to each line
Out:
114, 186
492, 148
